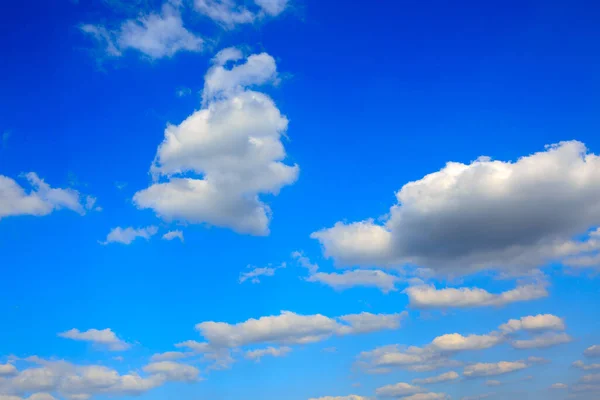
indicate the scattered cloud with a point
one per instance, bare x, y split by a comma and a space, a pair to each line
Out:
592, 351
360, 277
256, 355
437, 220
170, 356
173, 235
559, 386
128, 235
548, 339
445, 377
155, 35
103, 337
39, 201
577, 364
228, 13
492, 382
234, 142
427, 296
540, 322
350, 397
255, 273
7, 370
491, 369
398, 390
172, 371
183, 91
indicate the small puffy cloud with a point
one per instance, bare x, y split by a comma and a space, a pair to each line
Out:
235, 142
445, 377
7, 369
290, 328
128, 235
592, 351
305, 262
548, 339
559, 386
458, 342
540, 322
255, 273
427, 296
104, 337
173, 235
491, 369
173, 371
400, 389
155, 35
39, 201
437, 220
360, 277
577, 364
256, 355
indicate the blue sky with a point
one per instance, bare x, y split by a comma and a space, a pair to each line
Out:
299, 199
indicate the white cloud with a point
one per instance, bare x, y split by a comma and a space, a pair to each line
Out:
170, 356
591, 378
540, 322
128, 235
360, 277
269, 351
39, 201
592, 351
577, 364
77, 381
290, 328
437, 221
228, 13
35, 396
427, 296
457, 342
172, 371
173, 235
559, 386
350, 397
156, 35
537, 360
400, 389
305, 262
234, 142
445, 377
490, 369
255, 274
548, 339
104, 337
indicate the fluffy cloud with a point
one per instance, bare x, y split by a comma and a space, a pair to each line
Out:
291, 328
7, 369
104, 337
427, 396
269, 351
156, 35
548, 339
172, 371
39, 201
398, 390
84, 381
360, 277
228, 13
170, 356
540, 322
445, 377
234, 142
173, 235
128, 235
457, 342
592, 351
255, 274
437, 221
35, 396
427, 296
490, 369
